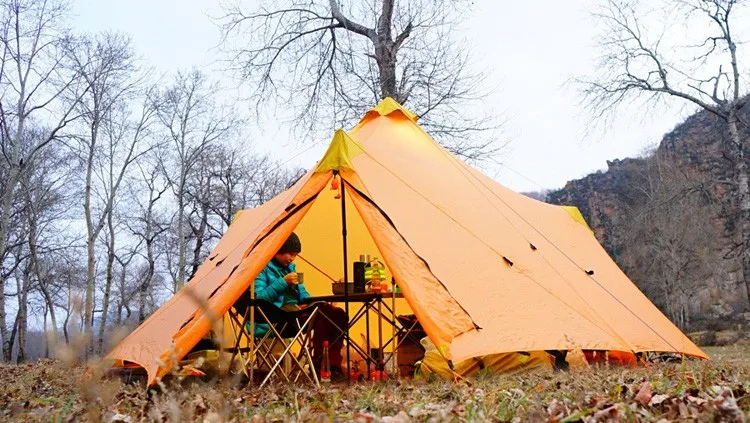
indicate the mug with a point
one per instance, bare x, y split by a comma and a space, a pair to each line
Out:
300, 277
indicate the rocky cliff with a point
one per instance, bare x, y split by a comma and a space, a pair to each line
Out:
670, 220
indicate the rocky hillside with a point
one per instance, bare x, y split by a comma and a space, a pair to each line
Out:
670, 221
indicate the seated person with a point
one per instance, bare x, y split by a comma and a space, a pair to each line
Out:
279, 284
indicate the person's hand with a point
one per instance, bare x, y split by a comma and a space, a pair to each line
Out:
291, 279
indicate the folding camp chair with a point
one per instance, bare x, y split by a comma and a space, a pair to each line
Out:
286, 329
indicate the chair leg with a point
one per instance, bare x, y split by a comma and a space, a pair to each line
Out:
298, 338
238, 340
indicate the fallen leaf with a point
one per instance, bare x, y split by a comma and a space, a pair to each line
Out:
700, 402
556, 409
658, 399
611, 413
120, 418
644, 394
401, 417
364, 416
727, 406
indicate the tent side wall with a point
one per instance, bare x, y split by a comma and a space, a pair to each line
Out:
501, 255
167, 335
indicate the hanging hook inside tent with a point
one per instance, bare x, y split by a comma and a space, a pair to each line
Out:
335, 185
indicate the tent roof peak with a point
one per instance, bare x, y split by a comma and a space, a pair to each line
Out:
387, 106
341, 151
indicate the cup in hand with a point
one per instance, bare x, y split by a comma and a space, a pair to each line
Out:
300, 277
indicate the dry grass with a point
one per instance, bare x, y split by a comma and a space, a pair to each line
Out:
694, 391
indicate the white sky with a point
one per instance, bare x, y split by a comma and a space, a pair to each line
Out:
530, 50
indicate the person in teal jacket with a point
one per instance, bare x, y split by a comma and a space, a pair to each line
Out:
279, 284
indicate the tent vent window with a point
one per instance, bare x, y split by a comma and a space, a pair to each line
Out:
508, 262
188, 321
533, 247
589, 272
215, 291
290, 207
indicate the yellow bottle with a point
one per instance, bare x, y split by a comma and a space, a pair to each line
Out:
375, 273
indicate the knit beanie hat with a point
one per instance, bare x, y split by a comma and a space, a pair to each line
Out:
292, 245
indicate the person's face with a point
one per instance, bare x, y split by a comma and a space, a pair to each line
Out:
285, 258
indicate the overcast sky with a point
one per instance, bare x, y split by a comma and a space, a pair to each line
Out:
529, 49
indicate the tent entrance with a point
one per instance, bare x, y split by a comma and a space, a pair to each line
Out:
322, 257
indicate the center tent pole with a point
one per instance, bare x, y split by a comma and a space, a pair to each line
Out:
346, 275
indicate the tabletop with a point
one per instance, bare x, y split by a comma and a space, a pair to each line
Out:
362, 297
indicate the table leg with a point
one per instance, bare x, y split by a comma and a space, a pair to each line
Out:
396, 371
367, 340
380, 336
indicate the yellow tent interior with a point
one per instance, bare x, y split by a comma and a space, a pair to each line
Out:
322, 258
485, 270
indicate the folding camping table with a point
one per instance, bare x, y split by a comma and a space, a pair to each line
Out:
375, 303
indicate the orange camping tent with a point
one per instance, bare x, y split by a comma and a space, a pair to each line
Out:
485, 270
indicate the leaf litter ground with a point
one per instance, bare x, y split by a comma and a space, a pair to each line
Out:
718, 390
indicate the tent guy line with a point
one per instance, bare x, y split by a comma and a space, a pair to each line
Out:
556, 247
390, 221
502, 256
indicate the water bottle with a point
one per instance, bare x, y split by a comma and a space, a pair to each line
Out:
325, 365
375, 285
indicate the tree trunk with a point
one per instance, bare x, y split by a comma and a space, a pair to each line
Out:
386, 59
14, 175
12, 337
199, 237
108, 282
121, 303
4, 231
49, 304
743, 191
66, 335
181, 232
46, 338
144, 289
23, 313
668, 297
385, 52
88, 314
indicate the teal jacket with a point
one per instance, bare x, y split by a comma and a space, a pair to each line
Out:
271, 286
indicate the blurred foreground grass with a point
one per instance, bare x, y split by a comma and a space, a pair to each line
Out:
718, 390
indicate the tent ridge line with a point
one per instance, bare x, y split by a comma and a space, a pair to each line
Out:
276, 225
387, 218
261, 238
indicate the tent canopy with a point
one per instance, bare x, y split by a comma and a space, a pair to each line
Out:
485, 270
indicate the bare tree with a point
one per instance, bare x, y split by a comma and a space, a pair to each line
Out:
666, 231
241, 180
202, 231
32, 80
333, 62
147, 226
194, 122
128, 284
46, 204
112, 141
641, 60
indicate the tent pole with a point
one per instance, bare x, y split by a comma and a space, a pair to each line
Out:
346, 276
